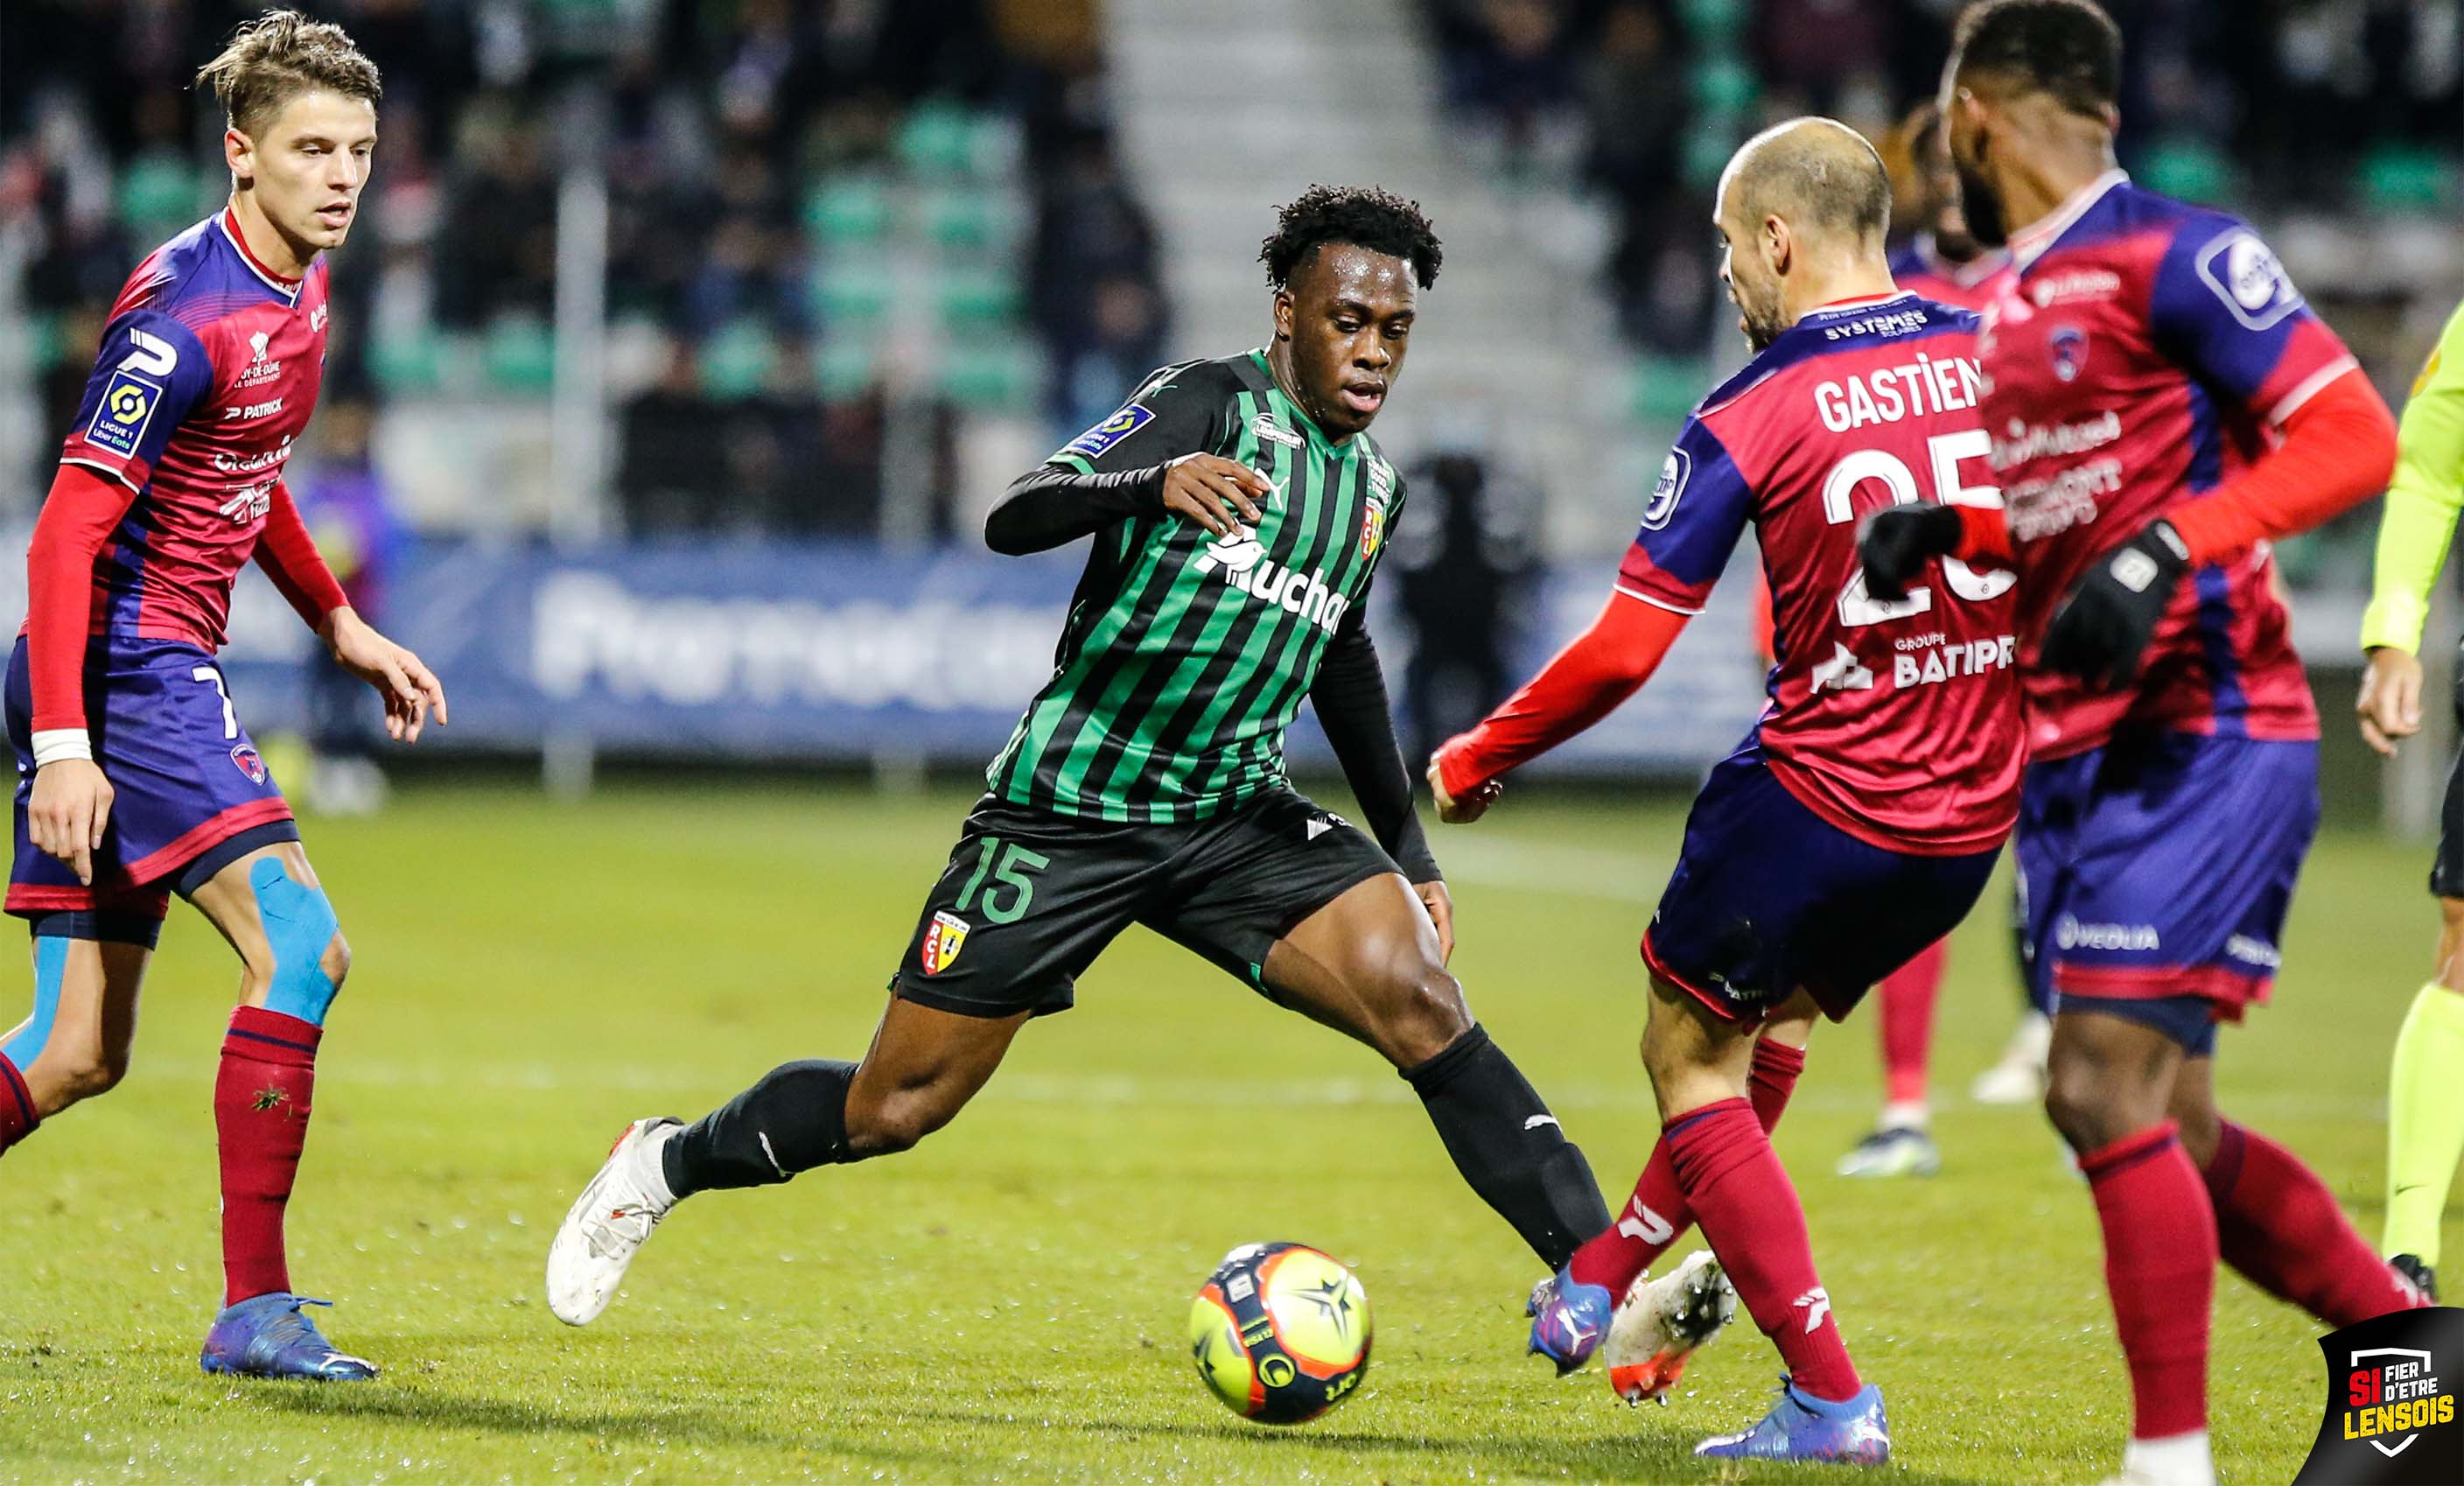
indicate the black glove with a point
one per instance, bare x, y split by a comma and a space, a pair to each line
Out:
2100, 633
1897, 541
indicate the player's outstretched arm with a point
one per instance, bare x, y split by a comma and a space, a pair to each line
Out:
1349, 695
1584, 682
1052, 504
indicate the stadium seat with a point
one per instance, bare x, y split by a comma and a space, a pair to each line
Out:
2192, 168
1665, 391
853, 293
989, 378
406, 361
847, 211
938, 141
2402, 178
520, 353
736, 362
965, 217
978, 301
159, 195
843, 366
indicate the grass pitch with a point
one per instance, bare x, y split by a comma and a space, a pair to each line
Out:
1008, 1301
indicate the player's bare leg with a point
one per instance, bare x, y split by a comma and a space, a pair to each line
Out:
923, 1067
2110, 1093
75, 1044
1700, 1064
1369, 965
268, 905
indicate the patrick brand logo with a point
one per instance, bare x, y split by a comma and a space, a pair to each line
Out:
2391, 1415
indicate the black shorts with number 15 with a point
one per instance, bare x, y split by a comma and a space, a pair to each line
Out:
1030, 899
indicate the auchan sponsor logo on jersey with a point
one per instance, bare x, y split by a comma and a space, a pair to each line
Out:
1889, 395
1242, 561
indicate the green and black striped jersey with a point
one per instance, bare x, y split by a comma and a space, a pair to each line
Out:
1184, 657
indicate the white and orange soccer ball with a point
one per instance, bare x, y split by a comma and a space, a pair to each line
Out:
1280, 1331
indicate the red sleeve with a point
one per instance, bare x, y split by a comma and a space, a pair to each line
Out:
289, 556
77, 518
2339, 450
1584, 682
1984, 531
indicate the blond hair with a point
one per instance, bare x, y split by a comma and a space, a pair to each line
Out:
279, 56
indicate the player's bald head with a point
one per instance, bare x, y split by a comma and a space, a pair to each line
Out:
1819, 175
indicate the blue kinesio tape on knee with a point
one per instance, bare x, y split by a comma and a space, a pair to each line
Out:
299, 924
51, 968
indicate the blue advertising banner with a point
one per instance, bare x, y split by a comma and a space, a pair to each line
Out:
802, 651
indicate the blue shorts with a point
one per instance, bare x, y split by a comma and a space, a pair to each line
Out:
186, 782
1769, 897
2162, 864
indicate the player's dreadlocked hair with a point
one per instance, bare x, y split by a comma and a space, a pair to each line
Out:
1366, 217
2068, 47
279, 56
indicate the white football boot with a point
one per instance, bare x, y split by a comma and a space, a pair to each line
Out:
1661, 1323
2019, 1077
610, 1222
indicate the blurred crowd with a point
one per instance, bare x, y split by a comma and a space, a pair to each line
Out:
2330, 104
832, 224
839, 230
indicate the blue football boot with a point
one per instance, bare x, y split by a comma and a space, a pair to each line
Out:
1801, 1427
270, 1335
1568, 1319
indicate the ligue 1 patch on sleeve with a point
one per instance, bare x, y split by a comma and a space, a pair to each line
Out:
2391, 1412
1668, 491
1092, 444
2246, 275
128, 404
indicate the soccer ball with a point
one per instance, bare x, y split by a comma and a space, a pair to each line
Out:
1280, 1331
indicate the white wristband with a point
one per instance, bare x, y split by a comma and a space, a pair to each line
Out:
53, 744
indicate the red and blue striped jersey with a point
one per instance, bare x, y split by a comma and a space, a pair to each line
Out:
1898, 723
209, 368
2141, 354
1920, 268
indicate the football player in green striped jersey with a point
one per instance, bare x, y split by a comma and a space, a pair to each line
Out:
1235, 511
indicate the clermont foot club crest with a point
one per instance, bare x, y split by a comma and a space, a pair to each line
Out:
2391, 1417
250, 763
943, 940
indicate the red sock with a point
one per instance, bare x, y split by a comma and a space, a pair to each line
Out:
2280, 1226
2160, 1267
17, 1117
1742, 1197
1907, 1000
261, 1101
1655, 1215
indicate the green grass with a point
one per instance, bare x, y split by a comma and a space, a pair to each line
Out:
1008, 1303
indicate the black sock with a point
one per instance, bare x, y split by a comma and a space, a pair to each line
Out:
793, 1119
1508, 1146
